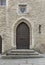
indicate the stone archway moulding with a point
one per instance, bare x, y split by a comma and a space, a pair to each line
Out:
30, 25
1, 34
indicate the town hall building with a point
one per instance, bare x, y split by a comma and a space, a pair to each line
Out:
22, 25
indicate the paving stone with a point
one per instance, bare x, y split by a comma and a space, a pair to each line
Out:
25, 64
26, 61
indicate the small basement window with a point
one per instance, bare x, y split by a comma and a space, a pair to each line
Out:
2, 2
22, 8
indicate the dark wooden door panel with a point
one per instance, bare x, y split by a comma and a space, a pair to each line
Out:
22, 36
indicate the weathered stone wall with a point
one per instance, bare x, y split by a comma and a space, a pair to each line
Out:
35, 15
2, 19
40, 39
2, 24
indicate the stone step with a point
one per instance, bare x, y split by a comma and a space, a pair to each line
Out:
21, 56
18, 53
22, 51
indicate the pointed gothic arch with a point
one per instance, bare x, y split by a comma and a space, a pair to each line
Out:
22, 36
30, 30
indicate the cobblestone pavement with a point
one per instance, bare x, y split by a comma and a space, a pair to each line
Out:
28, 61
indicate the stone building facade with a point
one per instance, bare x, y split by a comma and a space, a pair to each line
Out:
31, 13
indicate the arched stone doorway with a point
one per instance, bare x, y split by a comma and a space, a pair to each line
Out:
0, 44
22, 36
17, 24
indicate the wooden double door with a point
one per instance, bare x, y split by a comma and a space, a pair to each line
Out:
22, 36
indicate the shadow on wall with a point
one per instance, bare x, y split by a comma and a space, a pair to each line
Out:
40, 48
